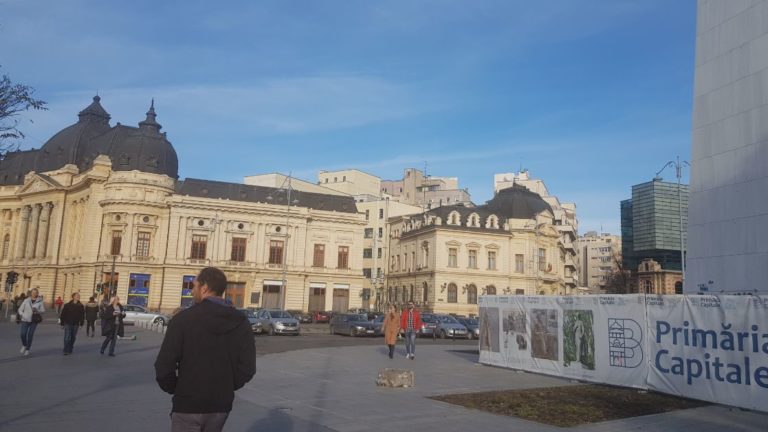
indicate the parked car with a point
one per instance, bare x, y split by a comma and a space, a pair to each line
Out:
303, 317
447, 326
428, 325
321, 317
472, 325
378, 323
136, 313
255, 324
277, 321
353, 325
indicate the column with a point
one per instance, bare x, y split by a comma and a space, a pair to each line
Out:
21, 238
42, 233
33, 230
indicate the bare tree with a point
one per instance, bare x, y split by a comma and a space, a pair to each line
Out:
14, 100
619, 281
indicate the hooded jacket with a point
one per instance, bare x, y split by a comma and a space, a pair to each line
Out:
208, 353
72, 313
25, 310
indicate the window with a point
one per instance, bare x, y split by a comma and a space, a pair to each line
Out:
397, 267
367, 273
381, 213
648, 286
413, 259
367, 214
142, 244
117, 241
275, 252
368, 253
368, 233
343, 257
490, 290
491, 260
425, 292
472, 294
472, 259
453, 293
453, 257
238, 249
318, 259
381, 232
378, 253
199, 244
6, 245
519, 263
542, 259
519, 291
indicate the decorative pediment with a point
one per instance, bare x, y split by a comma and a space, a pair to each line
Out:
492, 246
453, 243
36, 183
474, 245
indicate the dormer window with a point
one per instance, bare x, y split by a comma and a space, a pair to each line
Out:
454, 218
492, 222
473, 220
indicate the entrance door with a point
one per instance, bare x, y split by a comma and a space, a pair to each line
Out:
271, 298
236, 293
316, 299
340, 300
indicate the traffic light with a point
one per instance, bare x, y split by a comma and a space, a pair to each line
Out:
11, 277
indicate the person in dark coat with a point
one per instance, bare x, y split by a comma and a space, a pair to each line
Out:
208, 353
91, 313
72, 318
111, 323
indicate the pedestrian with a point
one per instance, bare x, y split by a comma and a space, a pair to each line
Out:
410, 323
208, 353
59, 303
30, 315
111, 322
91, 313
72, 318
391, 328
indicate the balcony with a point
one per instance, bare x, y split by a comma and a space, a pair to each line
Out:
569, 262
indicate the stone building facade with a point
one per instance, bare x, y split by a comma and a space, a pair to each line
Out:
97, 196
653, 279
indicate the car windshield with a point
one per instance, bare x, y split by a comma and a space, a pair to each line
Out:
448, 320
470, 321
248, 313
429, 318
358, 317
279, 314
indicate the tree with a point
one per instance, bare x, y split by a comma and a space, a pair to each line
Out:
618, 282
14, 100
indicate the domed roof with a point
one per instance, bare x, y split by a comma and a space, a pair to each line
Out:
517, 202
142, 148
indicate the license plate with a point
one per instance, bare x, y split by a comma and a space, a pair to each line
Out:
369, 331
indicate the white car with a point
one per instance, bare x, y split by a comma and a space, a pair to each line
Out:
136, 313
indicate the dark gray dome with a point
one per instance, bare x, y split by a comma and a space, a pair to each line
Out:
517, 202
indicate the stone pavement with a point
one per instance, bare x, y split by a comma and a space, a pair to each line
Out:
326, 389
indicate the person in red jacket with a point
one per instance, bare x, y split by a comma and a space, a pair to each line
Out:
410, 324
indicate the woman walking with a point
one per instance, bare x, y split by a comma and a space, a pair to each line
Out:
30, 312
91, 313
391, 328
111, 321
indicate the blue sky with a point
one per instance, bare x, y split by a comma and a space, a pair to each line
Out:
590, 96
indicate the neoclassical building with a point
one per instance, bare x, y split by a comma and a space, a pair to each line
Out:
97, 196
444, 258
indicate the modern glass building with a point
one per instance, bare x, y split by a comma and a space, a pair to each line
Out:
650, 224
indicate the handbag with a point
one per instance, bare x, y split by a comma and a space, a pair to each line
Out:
36, 317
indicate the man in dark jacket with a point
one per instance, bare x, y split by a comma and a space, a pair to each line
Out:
72, 318
208, 353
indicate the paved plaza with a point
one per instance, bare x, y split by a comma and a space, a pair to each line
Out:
316, 389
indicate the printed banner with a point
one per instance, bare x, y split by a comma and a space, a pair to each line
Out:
703, 347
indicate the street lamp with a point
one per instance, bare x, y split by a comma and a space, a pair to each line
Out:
286, 186
678, 164
536, 227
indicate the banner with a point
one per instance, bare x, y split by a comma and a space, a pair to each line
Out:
703, 347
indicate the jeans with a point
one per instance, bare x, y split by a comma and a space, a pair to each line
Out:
70, 334
410, 342
90, 329
27, 333
110, 340
187, 422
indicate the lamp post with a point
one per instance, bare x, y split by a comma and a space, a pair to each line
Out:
534, 256
678, 164
286, 186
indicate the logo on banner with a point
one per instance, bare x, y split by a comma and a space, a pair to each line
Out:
625, 342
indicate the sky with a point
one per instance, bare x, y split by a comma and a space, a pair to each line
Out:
591, 96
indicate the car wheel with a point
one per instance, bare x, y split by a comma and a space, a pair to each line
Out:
159, 320
469, 335
442, 334
271, 330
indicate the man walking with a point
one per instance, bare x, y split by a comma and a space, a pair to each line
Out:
410, 323
72, 318
208, 353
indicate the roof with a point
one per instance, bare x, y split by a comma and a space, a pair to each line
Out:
266, 195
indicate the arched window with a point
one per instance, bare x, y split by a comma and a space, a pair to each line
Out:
425, 293
648, 286
492, 222
472, 294
490, 290
6, 245
454, 218
678, 285
453, 293
473, 220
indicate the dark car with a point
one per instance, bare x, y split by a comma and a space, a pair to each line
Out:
321, 317
303, 317
429, 324
352, 325
472, 326
255, 323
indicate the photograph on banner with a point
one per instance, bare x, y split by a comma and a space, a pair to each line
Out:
545, 327
515, 335
710, 347
579, 338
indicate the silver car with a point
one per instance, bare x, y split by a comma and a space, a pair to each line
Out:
472, 326
252, 320
136, 313
276, 321
448, 327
